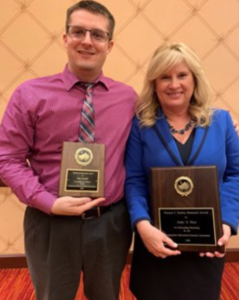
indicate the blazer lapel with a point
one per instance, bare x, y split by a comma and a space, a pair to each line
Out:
199, 139
164, 134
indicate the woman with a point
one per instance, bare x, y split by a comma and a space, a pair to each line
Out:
175, 98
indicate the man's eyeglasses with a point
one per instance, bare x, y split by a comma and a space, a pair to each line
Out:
79, 33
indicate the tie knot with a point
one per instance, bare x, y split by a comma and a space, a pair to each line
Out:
87, 85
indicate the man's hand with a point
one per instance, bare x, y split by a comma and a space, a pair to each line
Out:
70, 206
155, 240
236, 126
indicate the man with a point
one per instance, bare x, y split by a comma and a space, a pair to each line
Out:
66, 235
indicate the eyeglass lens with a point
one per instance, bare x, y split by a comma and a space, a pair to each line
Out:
80, 32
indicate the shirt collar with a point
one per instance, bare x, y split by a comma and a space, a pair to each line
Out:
71, 79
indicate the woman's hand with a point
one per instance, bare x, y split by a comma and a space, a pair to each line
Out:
222, 241
155, 240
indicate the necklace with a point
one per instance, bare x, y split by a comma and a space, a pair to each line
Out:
180, 131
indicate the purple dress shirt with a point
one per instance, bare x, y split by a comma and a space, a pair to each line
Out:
43, 113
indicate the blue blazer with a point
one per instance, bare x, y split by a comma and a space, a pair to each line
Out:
146, 150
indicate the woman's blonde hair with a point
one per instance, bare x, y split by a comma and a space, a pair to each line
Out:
164, 58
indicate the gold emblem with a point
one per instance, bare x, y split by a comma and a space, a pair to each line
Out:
183, 186
83, 156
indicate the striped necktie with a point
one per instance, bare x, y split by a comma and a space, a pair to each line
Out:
87, 123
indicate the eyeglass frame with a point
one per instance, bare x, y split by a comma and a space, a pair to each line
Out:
89, 30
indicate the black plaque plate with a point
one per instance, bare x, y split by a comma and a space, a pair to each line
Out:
83, 180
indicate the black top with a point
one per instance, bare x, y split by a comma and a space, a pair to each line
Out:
185, 149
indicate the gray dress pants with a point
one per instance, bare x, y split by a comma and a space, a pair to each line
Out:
58, 248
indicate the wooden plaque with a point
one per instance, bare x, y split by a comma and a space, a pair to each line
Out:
82, 170
186, 206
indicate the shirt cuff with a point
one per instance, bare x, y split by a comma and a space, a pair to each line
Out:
44, 202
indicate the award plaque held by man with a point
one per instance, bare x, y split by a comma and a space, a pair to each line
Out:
186, 206
82, 170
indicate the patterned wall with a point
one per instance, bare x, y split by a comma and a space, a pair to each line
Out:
31, 46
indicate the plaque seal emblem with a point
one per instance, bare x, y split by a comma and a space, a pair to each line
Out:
83, 156
183, 185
